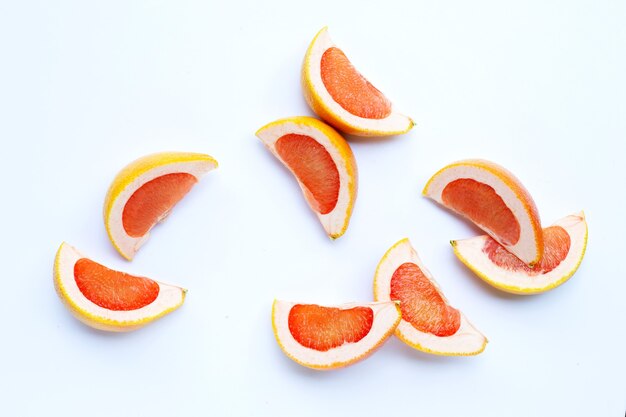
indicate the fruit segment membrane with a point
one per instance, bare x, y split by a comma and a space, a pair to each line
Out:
350, 89
557, 243
421, 303
324, 328
153, 200
314, 167
481, 204
111, 289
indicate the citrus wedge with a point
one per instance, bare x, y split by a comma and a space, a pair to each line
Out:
428, 322
496, 201
341, 96
110, 300
145, 191
322, 162
328, 337
565, 244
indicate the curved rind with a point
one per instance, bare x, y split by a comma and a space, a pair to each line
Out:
467, 341
169, 299
510, 189
322, 103
336, 222
132, 177
469, 251
386, 318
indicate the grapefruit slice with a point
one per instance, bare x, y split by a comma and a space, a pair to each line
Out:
145, 191
110, 300
428, 322
322, 162
328, 337
565, 244
341, 96
496, 201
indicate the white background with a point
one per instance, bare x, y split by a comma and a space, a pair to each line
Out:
86, 87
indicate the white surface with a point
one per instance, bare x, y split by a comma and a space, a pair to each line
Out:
85, 87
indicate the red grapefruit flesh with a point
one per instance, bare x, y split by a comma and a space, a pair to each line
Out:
350, 89
314, 167
148, 204
557, 244
421, 303
482, 205
324, 328
111, 289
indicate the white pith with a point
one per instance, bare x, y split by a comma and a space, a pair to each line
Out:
335, 220
471, 252
466, 341
526, 247
386, 315
129, 245
395, 122
168, 298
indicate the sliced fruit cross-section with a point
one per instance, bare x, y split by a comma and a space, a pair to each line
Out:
428, 322
565, 243
327, 337
495, 200
322, 162
145, 191
341, 96
110, 300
